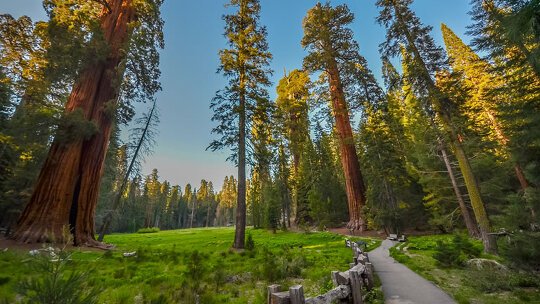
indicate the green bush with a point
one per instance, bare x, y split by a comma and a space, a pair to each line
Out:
250, 244
456, 253
4, 280
57, 281
270, 270
523, 250
448, 255
148, 230
488, 281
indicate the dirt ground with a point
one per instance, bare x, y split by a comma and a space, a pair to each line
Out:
369, 233
7, 244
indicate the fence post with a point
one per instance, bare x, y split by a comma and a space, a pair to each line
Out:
271, 290
356, 286
334, 278
369, 272
297, 294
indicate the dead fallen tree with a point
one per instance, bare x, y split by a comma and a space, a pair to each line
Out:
349, 285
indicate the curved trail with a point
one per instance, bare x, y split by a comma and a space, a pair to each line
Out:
401, 285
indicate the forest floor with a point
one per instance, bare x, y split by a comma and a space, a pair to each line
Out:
179, 266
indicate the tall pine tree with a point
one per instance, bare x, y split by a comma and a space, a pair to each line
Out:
246, 64
404, 28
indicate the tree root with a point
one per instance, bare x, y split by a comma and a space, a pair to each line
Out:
357, 225
92, 243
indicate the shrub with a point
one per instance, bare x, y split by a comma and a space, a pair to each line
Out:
148, 230
270, 270
56, 281
489, 281
250, 244
4, 280
456, 253
196, 270
218, 276
523, 250
465, 245
448, 255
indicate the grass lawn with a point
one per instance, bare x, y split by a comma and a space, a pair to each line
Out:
177, 266
465, 284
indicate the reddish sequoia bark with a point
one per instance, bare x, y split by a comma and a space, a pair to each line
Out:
67, 188
349, 159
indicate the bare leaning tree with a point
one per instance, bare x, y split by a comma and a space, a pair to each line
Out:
142, 141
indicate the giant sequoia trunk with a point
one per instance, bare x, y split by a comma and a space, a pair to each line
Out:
66, 192
354, 183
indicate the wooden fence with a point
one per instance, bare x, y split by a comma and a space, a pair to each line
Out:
348, 284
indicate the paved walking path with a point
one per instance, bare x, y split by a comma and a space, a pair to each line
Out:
401, 285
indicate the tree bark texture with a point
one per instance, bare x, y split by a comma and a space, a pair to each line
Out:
354, 183
67, 188
490, 243
469, 220
240, 229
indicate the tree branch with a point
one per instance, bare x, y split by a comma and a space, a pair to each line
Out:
104, 3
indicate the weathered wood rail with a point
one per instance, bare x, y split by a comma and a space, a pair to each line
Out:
350, 285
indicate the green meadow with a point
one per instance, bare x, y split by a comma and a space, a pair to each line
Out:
181, 266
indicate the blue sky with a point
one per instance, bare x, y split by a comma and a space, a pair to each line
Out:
193, 37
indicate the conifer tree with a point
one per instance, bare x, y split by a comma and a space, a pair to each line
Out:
482, 106
32, 115
404, 28
508, 29
292, 110
67, 188
292, 102
332, 50
326, 195
245, 64
143, 137
281, 186
227, 198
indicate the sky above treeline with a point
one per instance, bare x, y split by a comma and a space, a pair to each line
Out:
193, 37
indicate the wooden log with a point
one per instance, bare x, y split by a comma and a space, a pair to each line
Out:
356, 286
354, 249
342, 278
362, 259
339, 293
360, 268
296, 293
351, 265
369, 273
334, 278
282, 297
272, 289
